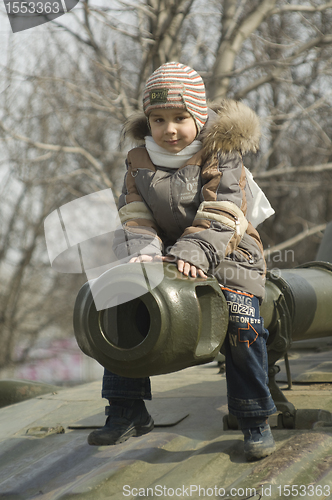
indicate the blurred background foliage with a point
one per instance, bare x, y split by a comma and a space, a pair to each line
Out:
67, 91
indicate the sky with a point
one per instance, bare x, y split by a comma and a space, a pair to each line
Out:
26, 39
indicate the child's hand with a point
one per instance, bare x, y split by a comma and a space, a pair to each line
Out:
185, 267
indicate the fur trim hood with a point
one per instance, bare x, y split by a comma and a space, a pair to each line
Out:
231, 126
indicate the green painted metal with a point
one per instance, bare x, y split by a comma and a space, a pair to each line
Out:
307, 291
297, 306
194, 453
324, 253
15, 391
179, 323
183, 321
38, 460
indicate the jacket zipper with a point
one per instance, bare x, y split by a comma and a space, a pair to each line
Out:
247, 255
232, 216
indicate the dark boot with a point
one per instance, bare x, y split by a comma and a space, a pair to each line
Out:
258, 439
125, 418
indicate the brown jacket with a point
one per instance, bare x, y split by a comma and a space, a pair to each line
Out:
197, 212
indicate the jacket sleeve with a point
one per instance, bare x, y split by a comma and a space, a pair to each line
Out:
139, 231
220, 222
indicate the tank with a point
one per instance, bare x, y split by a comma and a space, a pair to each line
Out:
324, 253
187, 314
44, 453
182, 322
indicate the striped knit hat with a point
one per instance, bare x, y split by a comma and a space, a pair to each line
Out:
174, 85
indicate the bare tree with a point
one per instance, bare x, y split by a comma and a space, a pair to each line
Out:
61, 136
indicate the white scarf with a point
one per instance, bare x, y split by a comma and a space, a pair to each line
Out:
163, 158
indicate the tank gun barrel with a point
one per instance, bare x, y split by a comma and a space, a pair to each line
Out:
183, 321
180, 322
297, 306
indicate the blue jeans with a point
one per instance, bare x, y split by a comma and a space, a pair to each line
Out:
115, 386
246, 363
246, 358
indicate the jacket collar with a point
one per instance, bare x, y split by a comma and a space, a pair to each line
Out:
231, 126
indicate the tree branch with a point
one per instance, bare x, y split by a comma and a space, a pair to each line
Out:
296, 239
229, 49
300, 8
287, 62
66, 149
293, 170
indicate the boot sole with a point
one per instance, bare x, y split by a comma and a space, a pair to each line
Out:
253, 455
96, 440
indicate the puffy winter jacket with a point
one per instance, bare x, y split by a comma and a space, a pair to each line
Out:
198, 212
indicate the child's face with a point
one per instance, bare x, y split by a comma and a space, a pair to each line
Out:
172, 129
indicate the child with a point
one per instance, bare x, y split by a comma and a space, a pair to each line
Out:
188, 185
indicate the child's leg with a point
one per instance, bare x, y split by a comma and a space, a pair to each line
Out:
249, 397
115, 386
246, 358
127, 415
